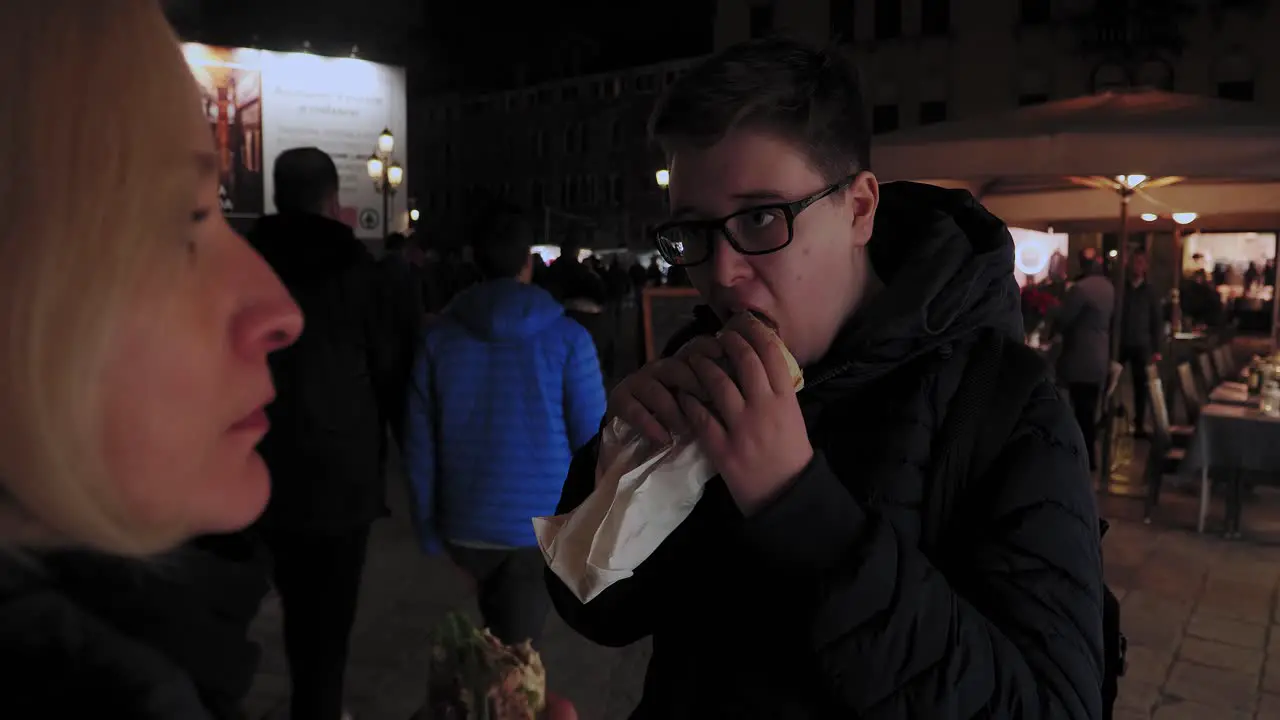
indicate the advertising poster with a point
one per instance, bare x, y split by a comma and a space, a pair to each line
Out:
1038, 256
261, 103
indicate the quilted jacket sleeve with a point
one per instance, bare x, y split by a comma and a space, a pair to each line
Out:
1012, 627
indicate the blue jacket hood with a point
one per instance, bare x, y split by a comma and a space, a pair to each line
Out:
504, 310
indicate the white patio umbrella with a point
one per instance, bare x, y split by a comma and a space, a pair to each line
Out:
1148, 132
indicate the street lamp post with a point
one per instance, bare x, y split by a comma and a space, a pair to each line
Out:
386, 173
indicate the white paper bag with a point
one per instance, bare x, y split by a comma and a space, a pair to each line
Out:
642, 493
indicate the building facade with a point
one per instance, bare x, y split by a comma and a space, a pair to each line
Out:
573, 153
926, 61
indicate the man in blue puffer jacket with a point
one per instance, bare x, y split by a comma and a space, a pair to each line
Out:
504, 390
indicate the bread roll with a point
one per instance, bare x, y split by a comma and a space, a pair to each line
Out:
793, 367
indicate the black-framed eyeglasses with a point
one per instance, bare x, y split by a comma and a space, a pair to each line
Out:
757, 230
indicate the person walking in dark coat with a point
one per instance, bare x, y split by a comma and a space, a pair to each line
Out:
798, 587
404, 313
325, 446
1141, 329
1084, 321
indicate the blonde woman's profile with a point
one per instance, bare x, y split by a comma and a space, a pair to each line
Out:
136, 329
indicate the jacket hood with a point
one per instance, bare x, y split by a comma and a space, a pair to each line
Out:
504, 310
302, 247
947, 268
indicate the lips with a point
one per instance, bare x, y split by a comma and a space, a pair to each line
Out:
255, 422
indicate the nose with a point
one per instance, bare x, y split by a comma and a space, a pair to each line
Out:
268, 319
728, 266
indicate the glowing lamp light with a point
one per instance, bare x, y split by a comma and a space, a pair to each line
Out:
395, 175
1150, 217
664, 178
1113, 253
386, 142
1131, 181
413, 215
1185, 218
1031, 256
374, 166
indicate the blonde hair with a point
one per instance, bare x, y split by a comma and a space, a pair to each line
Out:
95, 146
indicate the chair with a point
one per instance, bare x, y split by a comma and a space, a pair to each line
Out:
1164, 457
1222, 362
1192, 400
1207, 374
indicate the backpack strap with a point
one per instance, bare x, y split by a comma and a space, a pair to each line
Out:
998, 379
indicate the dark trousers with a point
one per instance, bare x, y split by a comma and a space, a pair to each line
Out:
318, 579
510, 589
1084, 401
1136, 359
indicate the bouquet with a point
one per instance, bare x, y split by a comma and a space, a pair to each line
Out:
1037, 303
473, 676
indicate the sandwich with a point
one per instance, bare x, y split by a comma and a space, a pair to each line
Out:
473, 676
793, 367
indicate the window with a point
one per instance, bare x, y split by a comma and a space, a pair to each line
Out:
535, 194
1034, 12
1236, 90
888, 19
935, 17
761, 20
615, 133
539, 143
616, 189
566, 192
646, 83
570, 144
569, 92
1110, 76
933, 111
1029, 99
1155, 73
584, 138
884, 118
842, 14
544, 96
1234, 76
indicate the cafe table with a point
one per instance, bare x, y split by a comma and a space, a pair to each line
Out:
1235, 438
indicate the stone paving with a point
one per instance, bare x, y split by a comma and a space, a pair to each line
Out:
1200, 613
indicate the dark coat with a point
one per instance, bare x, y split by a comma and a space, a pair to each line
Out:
822, 604
90, 635
326, 442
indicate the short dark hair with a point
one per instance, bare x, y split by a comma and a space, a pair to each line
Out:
501, 240
810, 97
305, 178
394, 242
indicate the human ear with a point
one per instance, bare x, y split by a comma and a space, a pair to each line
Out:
862, 199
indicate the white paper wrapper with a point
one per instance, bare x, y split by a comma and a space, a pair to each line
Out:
642, 494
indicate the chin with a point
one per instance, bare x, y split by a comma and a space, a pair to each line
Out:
241, 497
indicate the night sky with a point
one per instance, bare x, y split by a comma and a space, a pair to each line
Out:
466, 46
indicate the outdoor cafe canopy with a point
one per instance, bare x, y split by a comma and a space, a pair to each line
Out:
1042, 164
1115, 133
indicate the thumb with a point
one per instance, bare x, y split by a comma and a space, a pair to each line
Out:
560, 709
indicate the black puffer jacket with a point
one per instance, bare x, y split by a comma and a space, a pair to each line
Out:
822, 605
325, 445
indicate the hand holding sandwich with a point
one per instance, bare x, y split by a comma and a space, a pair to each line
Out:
751, 427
